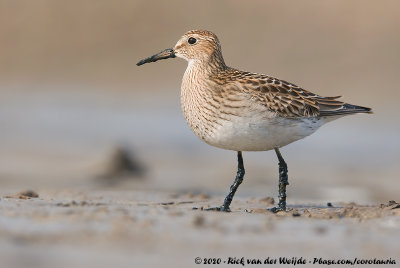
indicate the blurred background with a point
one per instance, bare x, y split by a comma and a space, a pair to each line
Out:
71, 96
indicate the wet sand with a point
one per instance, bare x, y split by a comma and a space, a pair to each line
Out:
71, 228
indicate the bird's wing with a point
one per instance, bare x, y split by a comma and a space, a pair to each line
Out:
289, 100
281, 97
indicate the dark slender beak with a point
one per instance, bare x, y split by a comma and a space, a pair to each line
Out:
165, 54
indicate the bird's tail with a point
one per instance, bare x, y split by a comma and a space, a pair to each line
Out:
344, 109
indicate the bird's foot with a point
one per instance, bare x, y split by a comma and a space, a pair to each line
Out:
277, 209
220, 208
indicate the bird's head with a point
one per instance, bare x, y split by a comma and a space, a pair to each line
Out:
197, 45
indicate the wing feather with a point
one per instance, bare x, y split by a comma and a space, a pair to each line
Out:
287, 99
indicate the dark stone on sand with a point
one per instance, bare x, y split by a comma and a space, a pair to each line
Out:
121, 166
28, 194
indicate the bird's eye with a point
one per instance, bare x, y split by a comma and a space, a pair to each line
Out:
192, 40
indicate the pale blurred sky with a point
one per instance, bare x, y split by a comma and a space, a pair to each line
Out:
332, 47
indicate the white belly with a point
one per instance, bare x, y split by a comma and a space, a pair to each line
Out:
261, 134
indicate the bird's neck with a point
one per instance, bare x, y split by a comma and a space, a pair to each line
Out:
198, 93
205, 67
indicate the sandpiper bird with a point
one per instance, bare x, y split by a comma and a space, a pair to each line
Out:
243, 111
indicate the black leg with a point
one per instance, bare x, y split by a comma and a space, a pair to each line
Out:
234, 186
283, 182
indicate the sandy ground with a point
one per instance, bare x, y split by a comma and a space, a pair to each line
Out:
82, 219
92, 228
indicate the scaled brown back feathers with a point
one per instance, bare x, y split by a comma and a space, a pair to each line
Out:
284, 98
